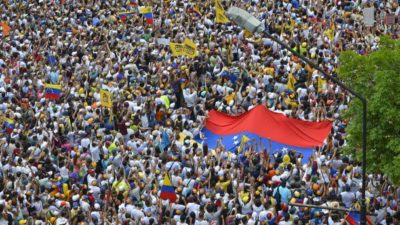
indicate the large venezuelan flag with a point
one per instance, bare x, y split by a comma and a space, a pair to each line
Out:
53, 91
262, 126
354, 217
167, 190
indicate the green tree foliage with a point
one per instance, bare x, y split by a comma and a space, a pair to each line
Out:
377, 77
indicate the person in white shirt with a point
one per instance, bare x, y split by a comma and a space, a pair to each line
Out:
193, 207
200, 220
190, 96
96, 214
333, 220
181, 221
95, 152
85, 142
286, 220
348, 197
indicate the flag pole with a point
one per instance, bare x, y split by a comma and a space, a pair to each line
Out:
326, 207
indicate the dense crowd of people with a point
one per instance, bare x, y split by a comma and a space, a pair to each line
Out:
74, 161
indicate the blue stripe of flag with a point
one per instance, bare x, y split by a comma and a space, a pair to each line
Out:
9, 125
53, 91
355, 216
167, 189
148, 15
231, 143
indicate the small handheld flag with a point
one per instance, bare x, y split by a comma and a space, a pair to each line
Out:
149, 18
243, 142
9, 125
321, 84
291, 82
220, 16
125, 15
105, 98
53, 91
147, 13
190, 48
167, 190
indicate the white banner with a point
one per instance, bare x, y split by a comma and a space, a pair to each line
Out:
368, 14
163, 41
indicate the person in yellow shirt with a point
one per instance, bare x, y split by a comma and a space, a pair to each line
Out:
120, 186
230, 97
223, 183
291, 100
270, 71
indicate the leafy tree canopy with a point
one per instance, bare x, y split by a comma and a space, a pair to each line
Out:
377, 77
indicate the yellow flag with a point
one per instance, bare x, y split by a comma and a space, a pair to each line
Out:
190, 48
105, 98
291, 25
321, 84
66, 191
291, 82
189, 43
229, 54
218, 5
245, 139
220, 17
177, 49
330, 34
220, 13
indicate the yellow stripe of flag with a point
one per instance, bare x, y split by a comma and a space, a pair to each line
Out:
167, 181
10, 121
53, 86
145, 9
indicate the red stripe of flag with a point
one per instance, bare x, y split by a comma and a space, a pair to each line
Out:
52, 96
149, 21
351, 220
